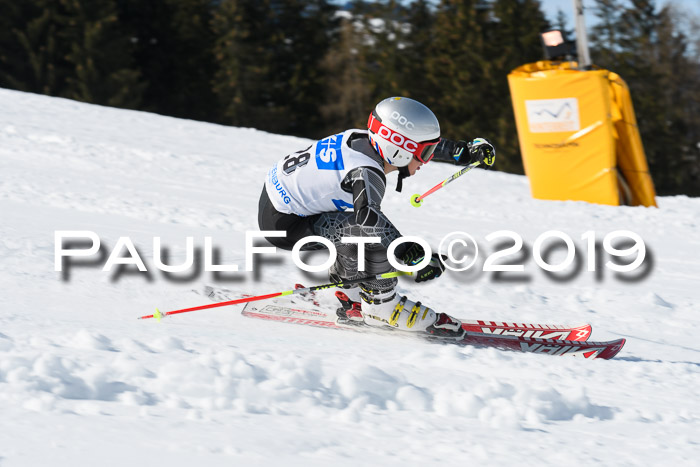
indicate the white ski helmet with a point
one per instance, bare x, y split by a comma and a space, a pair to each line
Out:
401, 129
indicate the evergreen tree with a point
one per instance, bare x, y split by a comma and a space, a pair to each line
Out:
244, 58
11, 16
307, 27
291, 66
386, 31
173, 48
515, 40
646, 48
347, 91
383, 50
477, 44
459, 68
99, 57
417, 48
31, 57
269, 62
679, 97
604, 40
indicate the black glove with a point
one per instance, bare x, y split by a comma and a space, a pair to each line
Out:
432, 271
480, 150
414, 254
458, 150
483, 151
447, 149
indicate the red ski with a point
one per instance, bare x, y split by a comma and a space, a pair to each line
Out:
578, 333
506, 336
605, 350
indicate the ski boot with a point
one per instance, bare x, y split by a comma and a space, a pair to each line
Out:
382, 306
349, 312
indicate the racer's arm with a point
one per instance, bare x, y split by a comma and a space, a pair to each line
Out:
368, 185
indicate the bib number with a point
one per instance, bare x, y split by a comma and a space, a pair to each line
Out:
295, 161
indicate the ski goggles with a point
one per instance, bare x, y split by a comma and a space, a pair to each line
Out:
427, 150
424, 151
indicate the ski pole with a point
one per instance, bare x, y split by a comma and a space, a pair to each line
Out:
417, 199
158, 314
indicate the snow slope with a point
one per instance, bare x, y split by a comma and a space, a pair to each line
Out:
82, 381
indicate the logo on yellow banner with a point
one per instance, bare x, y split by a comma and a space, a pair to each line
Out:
553, 115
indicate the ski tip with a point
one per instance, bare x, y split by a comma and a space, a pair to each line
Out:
613, 349
622, 344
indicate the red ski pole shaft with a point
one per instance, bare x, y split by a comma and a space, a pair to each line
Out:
417, 199
158, 314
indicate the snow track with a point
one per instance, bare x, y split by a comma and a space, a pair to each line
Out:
83, 382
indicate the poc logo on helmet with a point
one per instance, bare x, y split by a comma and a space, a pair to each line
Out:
402, 120
398, 139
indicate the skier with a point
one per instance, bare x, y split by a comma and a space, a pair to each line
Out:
308, 192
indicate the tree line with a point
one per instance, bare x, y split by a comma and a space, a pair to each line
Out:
313, 67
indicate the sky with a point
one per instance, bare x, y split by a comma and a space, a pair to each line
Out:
551, 7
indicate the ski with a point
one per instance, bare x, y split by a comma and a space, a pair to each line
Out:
605, 350
478, 333
579, 333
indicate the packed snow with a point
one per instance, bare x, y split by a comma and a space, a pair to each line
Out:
83, 382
